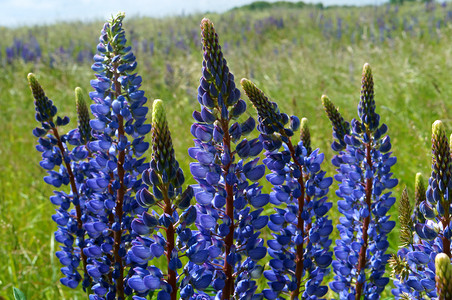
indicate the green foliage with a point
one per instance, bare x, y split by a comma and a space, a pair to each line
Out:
18, 295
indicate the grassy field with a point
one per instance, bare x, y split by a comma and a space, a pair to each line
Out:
294, 54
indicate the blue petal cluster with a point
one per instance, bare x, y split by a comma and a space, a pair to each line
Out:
226, 249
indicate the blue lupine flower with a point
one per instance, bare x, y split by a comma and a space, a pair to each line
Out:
300, 245
225, 250
363, 163
118, 131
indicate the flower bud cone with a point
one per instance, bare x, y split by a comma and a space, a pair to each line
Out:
366, 106
45, 109
340, 126
443, 277
162, 145
406, 235
82, 115
268, 111
305, 135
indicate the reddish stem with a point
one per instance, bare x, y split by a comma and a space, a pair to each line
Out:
120, 197
362, 253
169, 248
229, 240
301, 201
445, 221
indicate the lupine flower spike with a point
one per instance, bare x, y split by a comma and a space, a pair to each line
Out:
364, 164
164, 179
55, 154
118, 131
225, 252
300, 245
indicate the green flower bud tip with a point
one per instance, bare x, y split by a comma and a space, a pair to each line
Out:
209, 36
330, 109
367, 71
267, 110
45, 110
367, 79
158, 112
305, 135
83, 116
419, 197
366, 106
304, 124
419, 189
38, 92
257, 97
438, 128
79, 98
207, 25
162, 144
406, 232
340, 126
443, 276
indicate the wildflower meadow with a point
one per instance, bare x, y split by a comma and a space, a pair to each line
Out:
274, 151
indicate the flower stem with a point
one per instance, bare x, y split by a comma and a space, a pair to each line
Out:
301, 201
362, 253
229, 240
445, 221
172, 280
120, 198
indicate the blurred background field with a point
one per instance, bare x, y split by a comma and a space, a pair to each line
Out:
295, 53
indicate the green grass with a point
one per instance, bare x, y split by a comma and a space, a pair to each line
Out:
294, 65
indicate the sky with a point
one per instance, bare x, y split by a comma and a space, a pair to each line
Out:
29, 12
